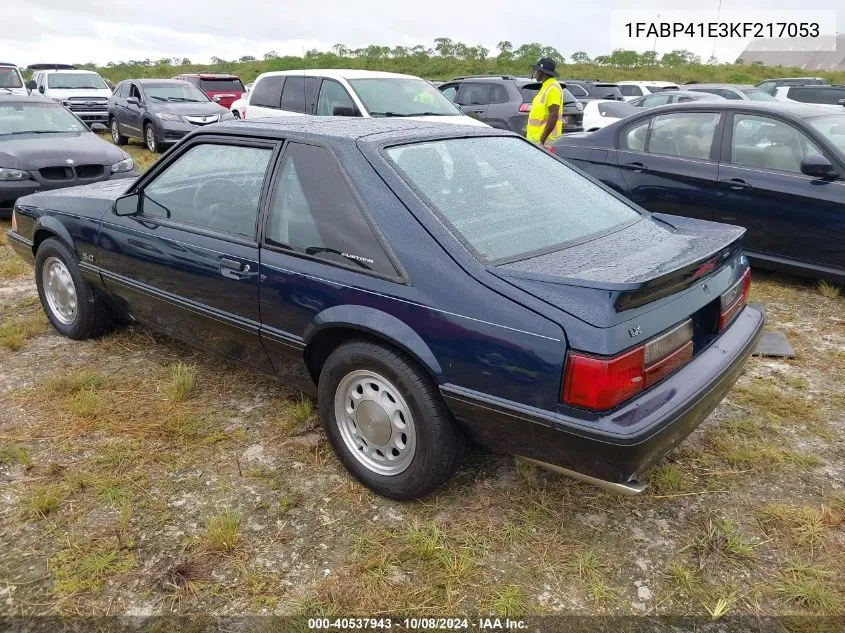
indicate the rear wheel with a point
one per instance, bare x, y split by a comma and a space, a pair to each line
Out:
387, 422
72, 306
116, 137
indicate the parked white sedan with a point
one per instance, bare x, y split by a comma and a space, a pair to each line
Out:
603, 112
634, 89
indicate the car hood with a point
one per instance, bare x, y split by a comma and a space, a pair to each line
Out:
204, 108
62, 93
453, 120
86, 200
34, 151
641, 263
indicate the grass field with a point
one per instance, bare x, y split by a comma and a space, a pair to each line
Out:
139, 476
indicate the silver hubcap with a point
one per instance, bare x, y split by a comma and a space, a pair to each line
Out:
59, 290
375, 422
114, 133
151, 139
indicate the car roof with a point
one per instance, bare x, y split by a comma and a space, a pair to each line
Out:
210, 75
8, 64
737, 86
340, 73
795, 109
149, 80
69, 71
791, 79
645, 83
369, 130
36, 98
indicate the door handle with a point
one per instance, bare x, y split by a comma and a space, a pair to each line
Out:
737, 184
233, 269
636, 166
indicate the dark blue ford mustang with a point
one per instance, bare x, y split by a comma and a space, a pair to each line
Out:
428, 282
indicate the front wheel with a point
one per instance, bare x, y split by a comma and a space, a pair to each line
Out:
150, 138
387, 422
72, 306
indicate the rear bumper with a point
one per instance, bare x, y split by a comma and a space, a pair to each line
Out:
620, 445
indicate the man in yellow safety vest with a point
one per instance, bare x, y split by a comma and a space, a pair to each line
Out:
544, 119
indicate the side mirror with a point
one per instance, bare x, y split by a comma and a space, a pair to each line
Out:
41, 88
345, 111
127, 205
818, 167
133, 100
98, 128
30, 85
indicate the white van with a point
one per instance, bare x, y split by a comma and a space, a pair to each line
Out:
83, 92
339, 92
11, 81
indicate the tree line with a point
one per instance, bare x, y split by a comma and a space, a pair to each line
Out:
447, 58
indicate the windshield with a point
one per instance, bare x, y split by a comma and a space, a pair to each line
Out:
832, 128
72, 81
222, 85
398, 96
10, 78
39, 118
505, 197
660, 88
182, 92
755, 94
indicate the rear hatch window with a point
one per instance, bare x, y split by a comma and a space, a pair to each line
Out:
606, 91
221, 85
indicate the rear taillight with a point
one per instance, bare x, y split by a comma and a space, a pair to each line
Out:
734, 299
525, 107
599, 383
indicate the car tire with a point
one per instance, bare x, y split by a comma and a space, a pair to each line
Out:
73, 307
116, 137
150, 139
396, 436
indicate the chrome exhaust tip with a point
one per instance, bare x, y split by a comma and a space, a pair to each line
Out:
629, 489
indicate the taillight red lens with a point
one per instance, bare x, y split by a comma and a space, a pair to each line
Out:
525, 107
592, 382
598, 383
734, 300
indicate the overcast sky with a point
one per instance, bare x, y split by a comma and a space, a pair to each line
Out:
116, 30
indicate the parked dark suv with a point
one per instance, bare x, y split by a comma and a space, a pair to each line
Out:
827, 95
504, 101
771, 85
584, 90
160, 111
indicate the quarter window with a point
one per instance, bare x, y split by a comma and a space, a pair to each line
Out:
313, 212
577, 91
767, 143
293, 95
652, 101
635, 137
687, 134
629, 90
333, 96
450, 91
267, 93
211, 186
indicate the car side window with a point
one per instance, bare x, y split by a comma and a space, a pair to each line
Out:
449, 91
473, 93
333, 96
768, 87
267, 93
685, 134
656, 100
634, 137
577, 91
213, 186
313, 212
498, 94
134, 92
766, 143
629, 90
293, 95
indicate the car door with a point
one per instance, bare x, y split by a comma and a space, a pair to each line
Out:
761, 187
294, 96
265, 98
317, 246
669, 162
334, 100
473, 98
185, 259
133, 113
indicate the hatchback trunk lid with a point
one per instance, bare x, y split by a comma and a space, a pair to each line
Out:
616, 277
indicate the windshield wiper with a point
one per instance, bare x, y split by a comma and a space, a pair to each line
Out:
430, 114
38, 132
156, 97
388, 114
